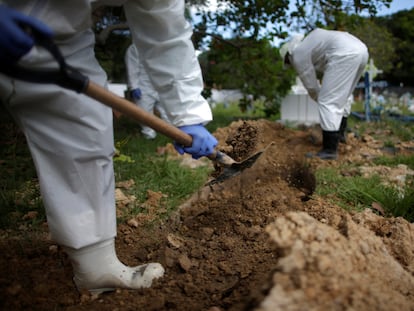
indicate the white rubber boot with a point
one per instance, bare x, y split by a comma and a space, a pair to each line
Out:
98, 269
148, 133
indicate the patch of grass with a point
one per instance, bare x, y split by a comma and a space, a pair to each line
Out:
159, 174
396, 160
360, 193
18, 192
152, 170
397, 130
224, 114
139, 160
21, 202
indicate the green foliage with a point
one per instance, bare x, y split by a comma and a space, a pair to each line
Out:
389, 39
111, 56
254, 67
105, 16
380, 41
332, 14
249, 18
401, 26
268, 19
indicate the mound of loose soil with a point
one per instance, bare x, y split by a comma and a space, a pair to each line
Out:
257, 241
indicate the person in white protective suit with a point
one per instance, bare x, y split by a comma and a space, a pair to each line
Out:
141, 88
70, 135
340, 58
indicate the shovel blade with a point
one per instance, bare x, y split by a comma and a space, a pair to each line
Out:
235, 169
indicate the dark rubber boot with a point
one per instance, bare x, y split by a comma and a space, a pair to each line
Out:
342, 130
330, 146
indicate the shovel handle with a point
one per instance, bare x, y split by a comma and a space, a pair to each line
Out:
120, 104
129, 109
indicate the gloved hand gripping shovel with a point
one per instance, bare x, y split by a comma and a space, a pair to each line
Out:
69, 78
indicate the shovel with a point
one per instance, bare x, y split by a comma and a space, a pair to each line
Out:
69, 78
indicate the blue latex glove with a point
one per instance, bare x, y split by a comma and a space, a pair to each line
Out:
14, 40
203, 142
136, 93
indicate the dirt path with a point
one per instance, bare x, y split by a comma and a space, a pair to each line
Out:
258, 241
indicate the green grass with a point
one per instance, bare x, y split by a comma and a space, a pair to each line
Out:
138, 160
157, 173
398, 129
357, 193
225, 114
396, 160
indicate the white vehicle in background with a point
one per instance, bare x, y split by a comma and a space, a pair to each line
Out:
118, 88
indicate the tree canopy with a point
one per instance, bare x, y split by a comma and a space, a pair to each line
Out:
241, 38
274, 18
252, 66
401, 27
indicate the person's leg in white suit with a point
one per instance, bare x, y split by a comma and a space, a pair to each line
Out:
147, 102
70, 137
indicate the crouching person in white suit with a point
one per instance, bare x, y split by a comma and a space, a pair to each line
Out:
341, 59
142, 91
70, 135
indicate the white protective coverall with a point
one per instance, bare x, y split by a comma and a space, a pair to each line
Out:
340, 58
70, 136
137, 77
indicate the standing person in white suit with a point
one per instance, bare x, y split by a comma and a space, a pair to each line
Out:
340, 58
70, 135
141, 88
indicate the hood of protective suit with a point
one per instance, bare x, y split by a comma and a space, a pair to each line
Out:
289, 46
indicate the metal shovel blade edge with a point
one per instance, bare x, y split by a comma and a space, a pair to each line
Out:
235, 169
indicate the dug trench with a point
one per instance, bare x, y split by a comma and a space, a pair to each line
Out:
261, 240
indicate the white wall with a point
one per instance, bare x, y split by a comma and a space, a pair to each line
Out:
117, 88
298, 107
